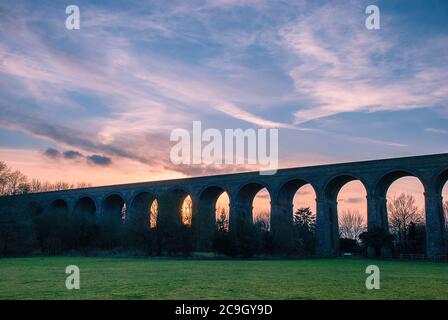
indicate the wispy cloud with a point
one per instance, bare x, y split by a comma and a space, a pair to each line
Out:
361, 70
436, 130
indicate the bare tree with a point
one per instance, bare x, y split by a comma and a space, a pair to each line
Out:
222, 221
263, 220
351, 224
403, 212
15, 182
4, 174
61, 185
80, 185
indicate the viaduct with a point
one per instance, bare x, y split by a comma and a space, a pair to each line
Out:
327, 180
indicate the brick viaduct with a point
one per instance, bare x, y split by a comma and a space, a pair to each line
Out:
327, 180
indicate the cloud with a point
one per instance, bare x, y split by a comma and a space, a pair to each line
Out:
99, 160
340, 66
353, 200
52, 153
377, 141
71, 154
436, 130
95, 159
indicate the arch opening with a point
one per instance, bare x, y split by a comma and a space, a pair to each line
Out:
352, 213
153, 214
222, 210
175, 206
186, 211
215, 207
405, 203
297, 195
85, 206
441, 188
144, 209
254, 204
114, 208
261, 209
59, 206
351, 223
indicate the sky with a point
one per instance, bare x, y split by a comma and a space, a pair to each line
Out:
98, 104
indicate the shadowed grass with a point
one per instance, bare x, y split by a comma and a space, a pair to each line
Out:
116, 278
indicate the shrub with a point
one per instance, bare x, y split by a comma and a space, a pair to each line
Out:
17, 236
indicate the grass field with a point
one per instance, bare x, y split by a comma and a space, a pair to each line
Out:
116, 278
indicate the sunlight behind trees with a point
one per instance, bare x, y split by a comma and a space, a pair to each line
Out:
153, 213
223, 210
187, 211
305, 197
352, 198
262, 206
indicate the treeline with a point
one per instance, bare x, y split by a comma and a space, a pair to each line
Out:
26, 230
14, 182
247, 239
407, 232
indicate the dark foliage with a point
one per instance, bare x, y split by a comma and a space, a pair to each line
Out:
377, 239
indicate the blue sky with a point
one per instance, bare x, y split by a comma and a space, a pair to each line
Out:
136, 70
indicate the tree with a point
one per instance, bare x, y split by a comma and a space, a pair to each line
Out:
403, 212
406, 223
222, 223
187, 211
304, 218
221, 241
245, 237
4, 174
137, 231
351, 224
17, 236
262, 220
304, 237
15, 182
12, 182
172, 235
376, 239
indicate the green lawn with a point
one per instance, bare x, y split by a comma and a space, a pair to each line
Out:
116, 278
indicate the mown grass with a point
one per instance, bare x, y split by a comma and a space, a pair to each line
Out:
117, 278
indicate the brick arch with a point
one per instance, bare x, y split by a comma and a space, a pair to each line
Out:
440, 180
171, 201
335, 184
244, 198
58, 205
85, 205
204, 219
287, 190
112, 206
388, 178
140, 206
